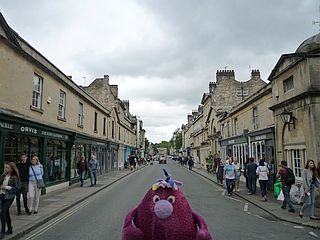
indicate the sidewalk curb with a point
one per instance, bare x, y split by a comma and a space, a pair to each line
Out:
62, 210
259, 206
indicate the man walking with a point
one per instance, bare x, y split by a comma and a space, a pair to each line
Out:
230, 176
190, 163
252, 176
93, 167
287, 180
23, 167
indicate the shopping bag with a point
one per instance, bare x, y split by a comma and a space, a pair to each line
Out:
280, 196
277, 188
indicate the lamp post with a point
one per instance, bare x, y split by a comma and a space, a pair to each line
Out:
286, 117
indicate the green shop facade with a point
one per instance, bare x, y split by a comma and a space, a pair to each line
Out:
58, 150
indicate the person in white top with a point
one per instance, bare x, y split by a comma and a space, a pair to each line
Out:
238, 174
262, 173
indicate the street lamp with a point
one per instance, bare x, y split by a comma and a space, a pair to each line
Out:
286, 117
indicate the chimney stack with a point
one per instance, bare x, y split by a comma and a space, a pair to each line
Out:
212, 86
255, 74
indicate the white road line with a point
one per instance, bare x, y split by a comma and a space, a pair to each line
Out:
237, 200
298, 227
313, 234
223, 193
57, 221
246, 207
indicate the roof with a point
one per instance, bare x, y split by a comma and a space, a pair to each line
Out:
310, 45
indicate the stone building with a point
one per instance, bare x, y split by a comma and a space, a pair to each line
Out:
123, 126
296, 104
247, 130
201, 135
44, 113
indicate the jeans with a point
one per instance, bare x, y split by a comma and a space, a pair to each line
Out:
5, 214
252, 181
82, 176
263, 187
24, 192
286, 194
230, 185
309, 201
93, 177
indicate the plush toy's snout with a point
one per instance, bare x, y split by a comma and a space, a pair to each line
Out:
163, 209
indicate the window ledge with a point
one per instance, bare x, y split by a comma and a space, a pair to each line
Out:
80, 126
61, 119
39, 110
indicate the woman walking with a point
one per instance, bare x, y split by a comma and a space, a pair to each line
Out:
35, 174
82, 169
310, 182
10, 183
262, 173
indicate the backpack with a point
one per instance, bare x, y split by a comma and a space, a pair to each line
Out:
289, 178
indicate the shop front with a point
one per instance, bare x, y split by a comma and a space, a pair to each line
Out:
51, 145
113, 156
236, 147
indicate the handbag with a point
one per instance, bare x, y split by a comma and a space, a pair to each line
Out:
40, 182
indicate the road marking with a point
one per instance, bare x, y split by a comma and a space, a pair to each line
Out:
298, 227
58, 220
237, 200
246, 207
223, 193
313, 234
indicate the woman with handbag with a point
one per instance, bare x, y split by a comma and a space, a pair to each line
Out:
35, 184
10, 183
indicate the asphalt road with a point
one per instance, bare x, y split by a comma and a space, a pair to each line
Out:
101, 217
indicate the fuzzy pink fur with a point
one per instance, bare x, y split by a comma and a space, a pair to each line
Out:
141, 223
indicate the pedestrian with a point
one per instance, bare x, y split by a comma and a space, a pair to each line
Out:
131, 161
10, 182
190, 163
93, 168
220, 171
35, 174
252, 176
310, 183
245, 173
238, 174
271, 168
23, 167
82, 169
230, 176
285, 175
262, 173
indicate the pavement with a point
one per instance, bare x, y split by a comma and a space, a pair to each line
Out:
272, 206
57, 202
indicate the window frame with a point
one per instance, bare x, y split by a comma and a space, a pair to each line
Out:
95, 122
80, 114
286, 84
62, 105
38, 92
255, 118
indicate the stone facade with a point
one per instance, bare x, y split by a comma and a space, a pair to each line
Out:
296, 105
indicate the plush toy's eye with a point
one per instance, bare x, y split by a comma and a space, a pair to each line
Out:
171, 199
156, 198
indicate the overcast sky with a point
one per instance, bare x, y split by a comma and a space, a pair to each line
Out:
162, 53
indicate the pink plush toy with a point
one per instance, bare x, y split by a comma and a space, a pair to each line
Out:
164, 214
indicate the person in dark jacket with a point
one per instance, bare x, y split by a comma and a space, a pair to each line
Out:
82, 169
190, 163
23, 167
252, 176
10, 182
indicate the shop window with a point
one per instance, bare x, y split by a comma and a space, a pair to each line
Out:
37, 91
296, 159
62, 105
11, 147
56, 161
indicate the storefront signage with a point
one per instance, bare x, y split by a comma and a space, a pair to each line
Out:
31, 130
231, 141
261, 137
6, 125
